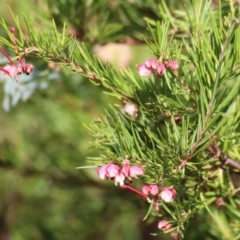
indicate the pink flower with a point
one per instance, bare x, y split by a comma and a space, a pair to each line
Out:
126, 168
10, 71
130, 109
108, 171
102, 172
172, 64
151, 63
144, 71
161, 69
154, 190
119, 173
13, 71
150, 189
132, 172
119, 178
168, 194
164, 225
136, 170
112, 170
146, 189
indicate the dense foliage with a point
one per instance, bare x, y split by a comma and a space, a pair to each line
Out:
167, 130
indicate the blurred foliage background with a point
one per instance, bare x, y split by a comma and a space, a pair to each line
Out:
43, 140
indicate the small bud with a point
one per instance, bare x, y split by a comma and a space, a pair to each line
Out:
20, 70
219, 202
28, 68
12, 30
130, 110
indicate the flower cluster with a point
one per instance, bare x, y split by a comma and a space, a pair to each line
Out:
150, 189
152, 66
119, 174
12, 70
167, 194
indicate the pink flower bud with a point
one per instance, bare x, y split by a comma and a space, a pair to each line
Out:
108, 171
130, 110
136, 170
146, 189
144, 71
172, 64
161, 69
164, 225
219, 202
150, 189
12, 30
154, 190
168, 194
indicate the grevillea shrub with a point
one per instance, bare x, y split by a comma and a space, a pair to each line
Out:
172, 136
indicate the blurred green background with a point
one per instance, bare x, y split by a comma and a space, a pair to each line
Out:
43, 140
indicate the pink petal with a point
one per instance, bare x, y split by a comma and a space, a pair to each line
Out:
148, 63
119, 178
146, 189
164, 225
12, 70
112, 169
136, 170
161, 69
155, 64
126, 170
172, 64
144, 71
168, 194
154, 189
102, 173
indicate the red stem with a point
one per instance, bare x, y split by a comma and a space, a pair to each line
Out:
137, 192
6, 55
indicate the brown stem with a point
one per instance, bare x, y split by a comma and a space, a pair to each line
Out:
229, 162
217, 153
